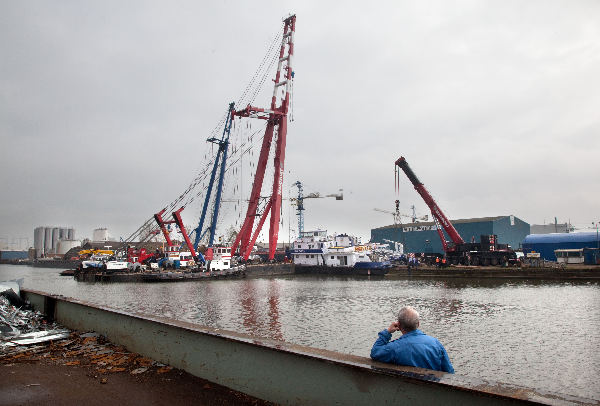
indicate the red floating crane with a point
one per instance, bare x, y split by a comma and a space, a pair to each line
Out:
276, 118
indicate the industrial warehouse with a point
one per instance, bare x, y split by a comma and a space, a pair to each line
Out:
584, 245
424, 237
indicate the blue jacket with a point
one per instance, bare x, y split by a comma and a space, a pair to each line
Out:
415, 349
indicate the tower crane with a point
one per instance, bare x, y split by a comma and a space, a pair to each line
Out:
299, 202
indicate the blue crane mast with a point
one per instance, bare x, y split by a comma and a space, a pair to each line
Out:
220, 160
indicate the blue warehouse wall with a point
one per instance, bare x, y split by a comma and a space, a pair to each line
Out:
511, 232
423, 237
472, 231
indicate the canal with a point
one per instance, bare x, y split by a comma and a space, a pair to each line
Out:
540, 334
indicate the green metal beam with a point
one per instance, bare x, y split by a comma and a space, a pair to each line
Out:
280, 372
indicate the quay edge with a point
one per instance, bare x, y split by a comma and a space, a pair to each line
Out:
591, 273
281, 372
568, 273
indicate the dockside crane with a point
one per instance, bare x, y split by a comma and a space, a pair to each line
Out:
220, 164
275, 115
276, 118
299, 202
487, 252
196, 255
220, 161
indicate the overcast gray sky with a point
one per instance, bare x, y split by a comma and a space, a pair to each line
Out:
105, 107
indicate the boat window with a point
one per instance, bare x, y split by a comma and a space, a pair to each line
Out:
312, 256
332, 257
226, 263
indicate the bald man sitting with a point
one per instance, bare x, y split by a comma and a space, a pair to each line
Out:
413, 348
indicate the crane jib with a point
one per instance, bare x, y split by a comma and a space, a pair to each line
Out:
436, 212
408, 171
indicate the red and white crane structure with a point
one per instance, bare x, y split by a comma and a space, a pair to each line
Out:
276, 117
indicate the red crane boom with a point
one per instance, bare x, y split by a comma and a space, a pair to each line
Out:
485, 252
161, 224
437, 213
276, 118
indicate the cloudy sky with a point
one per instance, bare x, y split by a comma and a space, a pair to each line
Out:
105, 107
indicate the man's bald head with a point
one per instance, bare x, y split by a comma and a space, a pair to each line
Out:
408, 319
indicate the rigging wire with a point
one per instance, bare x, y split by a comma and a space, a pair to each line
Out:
148, 228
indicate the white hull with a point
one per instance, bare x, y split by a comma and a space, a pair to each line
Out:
118, 265
316, 248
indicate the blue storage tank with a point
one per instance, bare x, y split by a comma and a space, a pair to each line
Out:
545, 244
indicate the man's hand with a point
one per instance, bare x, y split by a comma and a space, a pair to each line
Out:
393, 327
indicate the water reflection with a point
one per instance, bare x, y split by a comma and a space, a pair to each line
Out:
249, 311
534, 333
274, 324
260, 317
209, 309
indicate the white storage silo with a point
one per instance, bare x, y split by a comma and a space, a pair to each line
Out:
65, 245
47, 240
55, 238
100, 234
71, 234
63, 234
38, 241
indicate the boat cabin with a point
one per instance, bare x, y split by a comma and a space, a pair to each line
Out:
316, 248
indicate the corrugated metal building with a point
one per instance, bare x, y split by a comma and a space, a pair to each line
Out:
423, 237
545, 244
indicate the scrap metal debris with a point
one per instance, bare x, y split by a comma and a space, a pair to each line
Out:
36, 337
85, 349
27, 336
19, 324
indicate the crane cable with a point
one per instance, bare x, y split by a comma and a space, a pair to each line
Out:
203, 173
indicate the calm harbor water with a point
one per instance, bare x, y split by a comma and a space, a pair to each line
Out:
543, 335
